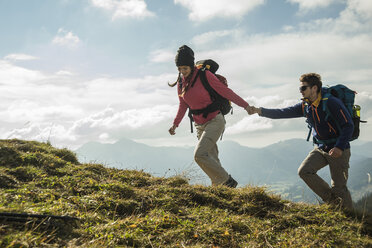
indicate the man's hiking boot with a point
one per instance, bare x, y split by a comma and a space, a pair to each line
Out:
231, 182
339, 203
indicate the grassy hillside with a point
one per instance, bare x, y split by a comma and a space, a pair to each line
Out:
127, 208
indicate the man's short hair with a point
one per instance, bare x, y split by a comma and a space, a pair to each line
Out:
312, 79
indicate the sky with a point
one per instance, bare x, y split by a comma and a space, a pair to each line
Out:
75, 71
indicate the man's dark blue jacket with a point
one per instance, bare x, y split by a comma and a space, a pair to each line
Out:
323, 129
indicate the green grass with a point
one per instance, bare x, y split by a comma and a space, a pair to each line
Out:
128, 208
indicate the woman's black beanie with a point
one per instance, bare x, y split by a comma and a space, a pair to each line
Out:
185, 56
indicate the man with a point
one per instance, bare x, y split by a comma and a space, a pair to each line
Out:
333, 147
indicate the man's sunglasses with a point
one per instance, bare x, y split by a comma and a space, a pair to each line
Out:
304, 87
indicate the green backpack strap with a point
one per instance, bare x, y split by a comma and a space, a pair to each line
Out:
325, 105
327, 111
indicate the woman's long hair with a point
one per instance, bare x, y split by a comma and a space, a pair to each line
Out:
175, 83
184, 87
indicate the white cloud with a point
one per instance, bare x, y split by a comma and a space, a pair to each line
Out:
38, 112
58, 134
15, 75
124, 8
306, 5
213, 36
132, 119
66, 39
108, 125
288, 28
19, 56
82, 110
64, 73
208, 9
264, 65
264, 69
281, 59
162, 55
106, 138
362, 7
356, 18
249, 124
271, 101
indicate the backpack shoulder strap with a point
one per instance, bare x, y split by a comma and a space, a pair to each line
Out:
327, 111
304, 106
325, 105
193, 82
207, 86
196, 77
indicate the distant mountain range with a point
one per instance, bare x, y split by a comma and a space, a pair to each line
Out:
275, 165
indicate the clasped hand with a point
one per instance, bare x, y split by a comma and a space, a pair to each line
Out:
253, 110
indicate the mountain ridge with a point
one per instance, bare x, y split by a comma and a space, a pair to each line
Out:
274, 165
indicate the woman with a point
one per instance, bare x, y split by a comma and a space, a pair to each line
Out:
191, 93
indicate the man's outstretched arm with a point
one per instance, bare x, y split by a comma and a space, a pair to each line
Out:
289, 112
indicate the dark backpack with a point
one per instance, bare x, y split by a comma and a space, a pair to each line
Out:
347, 96
218, 101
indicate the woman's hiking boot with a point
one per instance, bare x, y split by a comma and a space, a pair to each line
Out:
231, 182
